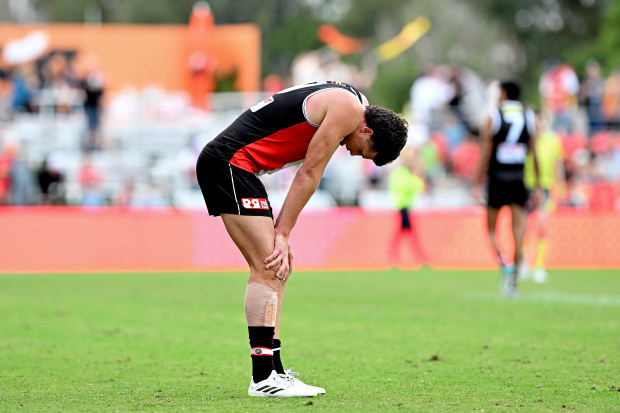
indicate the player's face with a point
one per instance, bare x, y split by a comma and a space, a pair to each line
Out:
359, 143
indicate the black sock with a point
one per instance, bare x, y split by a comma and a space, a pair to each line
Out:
261, 342
277, 362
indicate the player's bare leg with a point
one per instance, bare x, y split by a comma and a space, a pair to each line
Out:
280, 292
519, 224
287, 375
492, 214
277, 344
506, 288
254, 236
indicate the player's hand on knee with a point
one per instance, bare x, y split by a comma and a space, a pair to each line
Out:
287, 269
279, 258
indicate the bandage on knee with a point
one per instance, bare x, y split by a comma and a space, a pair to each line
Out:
261, 304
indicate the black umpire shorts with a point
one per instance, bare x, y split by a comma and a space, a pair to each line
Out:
500, 193
231, 190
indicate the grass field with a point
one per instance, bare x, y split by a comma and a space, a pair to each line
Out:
377, 341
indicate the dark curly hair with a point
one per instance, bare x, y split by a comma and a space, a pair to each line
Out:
389, 133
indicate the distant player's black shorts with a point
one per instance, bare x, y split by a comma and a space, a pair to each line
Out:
231, 190
500, 193
405, 223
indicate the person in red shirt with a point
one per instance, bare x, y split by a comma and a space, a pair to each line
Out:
302, 125
6, 159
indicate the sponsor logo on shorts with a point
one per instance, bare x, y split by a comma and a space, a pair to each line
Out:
254, 203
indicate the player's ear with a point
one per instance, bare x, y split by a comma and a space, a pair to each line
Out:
367, 131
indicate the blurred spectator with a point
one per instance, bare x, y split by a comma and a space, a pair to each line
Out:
454, 130
591, 96
90, 178
605, 156
448, 97
57, 90
345, 178
604, 172
186, 161
559, 87
5, 93
433, 161
152, 196
126, 196
454, 79
611, 101
52, 180
469, 95
273, 84
23, 189
465, 159
25, 83
603, 196
321, 64
405, 185
92, 84
428, 94
6, 157
578, 188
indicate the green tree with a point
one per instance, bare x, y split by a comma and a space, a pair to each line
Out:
608, 43
494, 38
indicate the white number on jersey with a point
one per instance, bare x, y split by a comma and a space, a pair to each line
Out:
511, 151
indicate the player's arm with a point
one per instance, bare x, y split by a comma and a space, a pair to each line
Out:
342, 115
486, 147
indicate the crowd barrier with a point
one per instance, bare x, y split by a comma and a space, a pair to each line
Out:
57, 239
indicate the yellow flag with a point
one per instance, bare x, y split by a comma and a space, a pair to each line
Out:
405, 39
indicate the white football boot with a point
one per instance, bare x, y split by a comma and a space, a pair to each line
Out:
276, 386
291, 376
540, 276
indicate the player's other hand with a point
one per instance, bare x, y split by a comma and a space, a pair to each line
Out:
281, 259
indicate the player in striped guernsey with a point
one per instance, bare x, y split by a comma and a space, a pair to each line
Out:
508, 136
302, 125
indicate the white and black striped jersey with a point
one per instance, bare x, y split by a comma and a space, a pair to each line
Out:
511, 126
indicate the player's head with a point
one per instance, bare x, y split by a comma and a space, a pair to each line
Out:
511, 90
389, 133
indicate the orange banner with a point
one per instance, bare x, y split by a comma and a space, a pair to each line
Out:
48, 239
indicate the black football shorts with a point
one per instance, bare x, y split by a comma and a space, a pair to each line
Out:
231, 190
500, 193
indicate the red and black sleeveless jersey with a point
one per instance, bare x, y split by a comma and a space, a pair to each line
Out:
274, 133
511, 125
